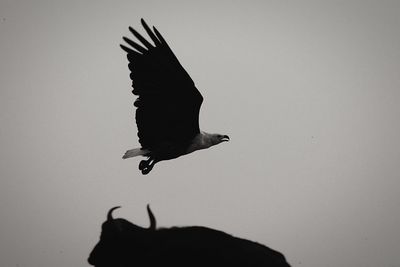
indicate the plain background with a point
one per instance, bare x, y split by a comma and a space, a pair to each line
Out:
307, 90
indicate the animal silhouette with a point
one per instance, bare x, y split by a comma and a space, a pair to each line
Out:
168, 106
125, 244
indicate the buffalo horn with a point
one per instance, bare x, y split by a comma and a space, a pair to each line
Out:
109, 214
152, 218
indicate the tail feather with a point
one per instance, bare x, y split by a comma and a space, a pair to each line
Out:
135, 152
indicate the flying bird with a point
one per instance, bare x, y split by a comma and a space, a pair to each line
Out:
168, 103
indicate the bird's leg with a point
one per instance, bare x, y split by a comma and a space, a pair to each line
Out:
143, 164
148, 165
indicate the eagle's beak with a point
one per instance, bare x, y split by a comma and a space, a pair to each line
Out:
225, 138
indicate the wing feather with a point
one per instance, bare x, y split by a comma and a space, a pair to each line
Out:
135, 45
168, 102
150, 33
140, 38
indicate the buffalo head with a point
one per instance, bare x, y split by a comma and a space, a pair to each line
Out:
118, 237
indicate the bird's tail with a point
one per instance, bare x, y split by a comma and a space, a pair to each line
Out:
135, 152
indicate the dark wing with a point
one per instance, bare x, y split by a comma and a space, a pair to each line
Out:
168, 104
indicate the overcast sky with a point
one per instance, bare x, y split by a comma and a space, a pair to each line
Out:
308, 91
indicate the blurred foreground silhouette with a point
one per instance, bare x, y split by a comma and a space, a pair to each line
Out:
123, 244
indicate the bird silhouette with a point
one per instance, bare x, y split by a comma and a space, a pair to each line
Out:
168, 103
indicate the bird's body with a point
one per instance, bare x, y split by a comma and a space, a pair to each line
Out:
168, 105
202, 140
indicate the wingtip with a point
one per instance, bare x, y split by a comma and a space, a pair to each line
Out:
129, 51
144, 23
158, 34
126, 49
134, 32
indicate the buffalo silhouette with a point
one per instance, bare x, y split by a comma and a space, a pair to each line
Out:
124, 244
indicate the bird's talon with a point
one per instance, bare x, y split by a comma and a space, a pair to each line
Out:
142, 165
146, 171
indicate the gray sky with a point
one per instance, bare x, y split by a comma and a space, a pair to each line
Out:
307, 90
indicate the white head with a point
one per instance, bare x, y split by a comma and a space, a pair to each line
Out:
205, 140
215, 139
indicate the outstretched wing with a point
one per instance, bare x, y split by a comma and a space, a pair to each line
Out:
168, 104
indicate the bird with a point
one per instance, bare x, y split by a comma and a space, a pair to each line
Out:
168, 102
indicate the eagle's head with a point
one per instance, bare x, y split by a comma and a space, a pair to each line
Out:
215, 139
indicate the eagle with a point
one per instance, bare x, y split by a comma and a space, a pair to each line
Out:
168, 102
